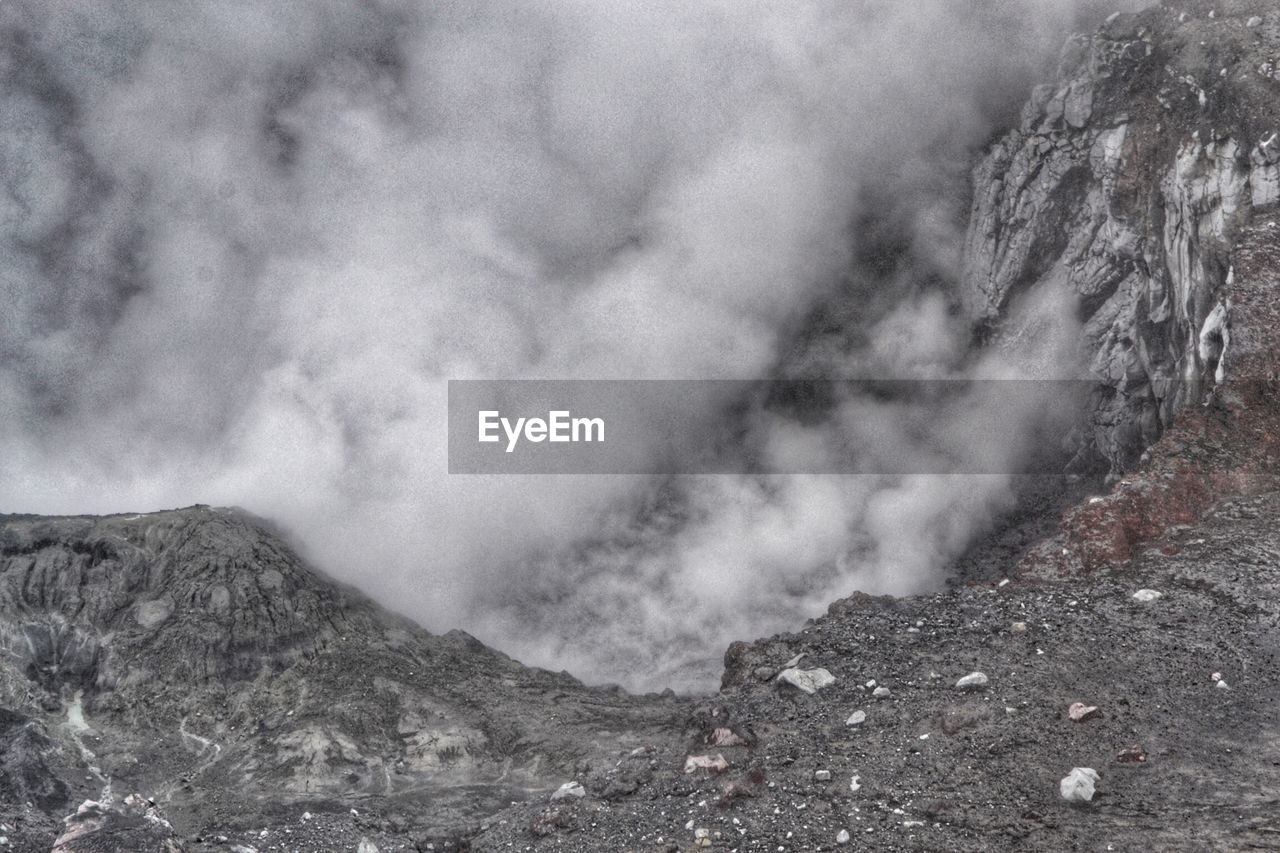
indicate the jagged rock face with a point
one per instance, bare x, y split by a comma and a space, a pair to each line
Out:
1127, 184
194, 658
245, 601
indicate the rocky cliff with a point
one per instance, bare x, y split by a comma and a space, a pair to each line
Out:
193, 658
1128, 185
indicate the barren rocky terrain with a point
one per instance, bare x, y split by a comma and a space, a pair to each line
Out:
184, 680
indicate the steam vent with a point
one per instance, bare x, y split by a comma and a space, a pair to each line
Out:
655, 427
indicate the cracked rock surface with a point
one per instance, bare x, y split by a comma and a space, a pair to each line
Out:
1124, 190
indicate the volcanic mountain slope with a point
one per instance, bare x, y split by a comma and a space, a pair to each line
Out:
1187, 761
182, 680
1126, 189
193, 658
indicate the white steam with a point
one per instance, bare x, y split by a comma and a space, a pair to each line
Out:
243, 245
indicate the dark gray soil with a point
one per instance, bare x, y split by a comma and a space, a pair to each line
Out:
942, 769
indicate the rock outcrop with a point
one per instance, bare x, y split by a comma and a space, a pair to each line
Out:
193, 658
1127, 185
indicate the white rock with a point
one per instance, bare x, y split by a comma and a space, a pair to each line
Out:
1078, 785
1081, 712
367, 846
725, 737
808, 680
569, 789
857, 718
716, 763
853, 783
822, 775
1018, 627
1145, 595
1255, 21
881, 693
1222, 685
842, 837
973, 681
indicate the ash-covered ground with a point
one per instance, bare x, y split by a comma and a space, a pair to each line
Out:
1185, 736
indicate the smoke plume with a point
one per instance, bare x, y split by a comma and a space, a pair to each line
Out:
243, 246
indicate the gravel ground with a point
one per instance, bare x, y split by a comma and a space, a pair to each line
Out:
939, 768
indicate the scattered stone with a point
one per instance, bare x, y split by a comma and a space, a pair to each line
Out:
973, 681
569, 790
870, 684
715, 764
795, 661
725, 737
549, 821
1253, 22
1146, 595
853, 783
881, 693
842, 837
1081, 712
1132, 755
1222, 685
1078, 785
1018, 627
702, 837
763, 673
857, 718
807, 680
367, 846
822, 775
